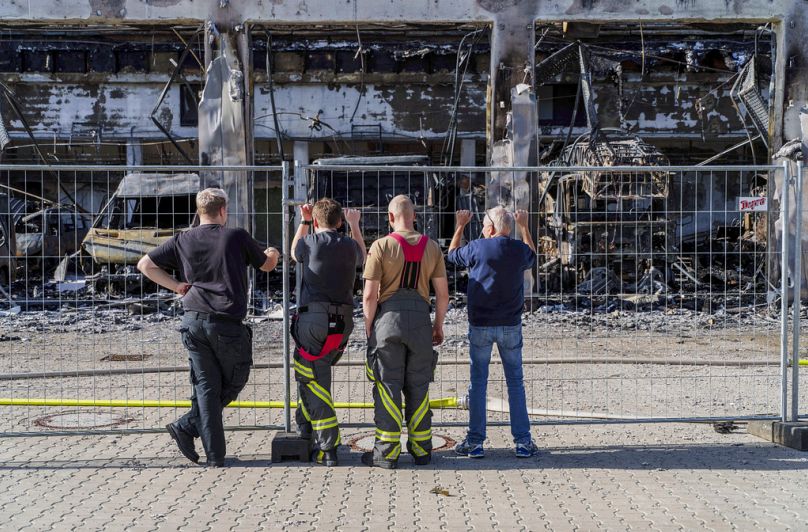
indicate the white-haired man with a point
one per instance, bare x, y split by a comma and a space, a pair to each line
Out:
496, 267
213, 262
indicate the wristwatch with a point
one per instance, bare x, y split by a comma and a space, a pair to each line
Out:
306, 222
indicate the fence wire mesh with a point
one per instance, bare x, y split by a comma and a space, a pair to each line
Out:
88, 345
655, 295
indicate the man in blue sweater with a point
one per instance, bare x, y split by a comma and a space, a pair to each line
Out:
496, 266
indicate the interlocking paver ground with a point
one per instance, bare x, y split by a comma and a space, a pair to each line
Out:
656, 477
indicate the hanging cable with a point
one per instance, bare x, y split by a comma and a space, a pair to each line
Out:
278, 133
574, 116
463, 60
535, 89
642, 77
360, 52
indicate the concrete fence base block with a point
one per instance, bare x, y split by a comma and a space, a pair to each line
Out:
290, 446
789, 434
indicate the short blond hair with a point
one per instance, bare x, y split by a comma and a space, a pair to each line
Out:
210, 201
328, 213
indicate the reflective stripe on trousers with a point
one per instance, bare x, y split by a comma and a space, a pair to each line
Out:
400, 362
315, 412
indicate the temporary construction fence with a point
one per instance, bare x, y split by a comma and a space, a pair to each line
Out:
656, 296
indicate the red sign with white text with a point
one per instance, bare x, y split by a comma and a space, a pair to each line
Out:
754, 204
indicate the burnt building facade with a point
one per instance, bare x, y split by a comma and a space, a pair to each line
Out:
471, 82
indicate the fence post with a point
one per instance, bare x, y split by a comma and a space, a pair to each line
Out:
795, 320
298, 192
784, 295
287, 392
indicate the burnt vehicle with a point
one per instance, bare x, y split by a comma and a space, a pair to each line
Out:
144, 211
607, 230
47, 235
615, 221
370, 191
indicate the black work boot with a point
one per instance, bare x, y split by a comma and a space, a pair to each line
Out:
369, 460
215, 463
304, 431
422, 460
326, 458
184, 441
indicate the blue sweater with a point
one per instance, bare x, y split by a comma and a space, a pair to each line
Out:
496, 279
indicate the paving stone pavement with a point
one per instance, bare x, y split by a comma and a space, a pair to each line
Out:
647, 477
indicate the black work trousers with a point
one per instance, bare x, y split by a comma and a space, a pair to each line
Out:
220, 355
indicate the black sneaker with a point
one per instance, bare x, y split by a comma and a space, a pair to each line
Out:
184, 441
326, 458
215, 463
368, 460
422, 460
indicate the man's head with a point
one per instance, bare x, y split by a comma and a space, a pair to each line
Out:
401, 213
327, 214
211, 205
498, 221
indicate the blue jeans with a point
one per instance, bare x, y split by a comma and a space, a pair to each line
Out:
509, 344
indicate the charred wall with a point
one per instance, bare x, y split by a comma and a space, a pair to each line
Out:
667, 83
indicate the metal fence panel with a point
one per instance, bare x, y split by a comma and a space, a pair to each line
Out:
655, 296
653, 299
87, 345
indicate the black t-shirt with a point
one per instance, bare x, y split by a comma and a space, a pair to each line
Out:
329, 261
214, 260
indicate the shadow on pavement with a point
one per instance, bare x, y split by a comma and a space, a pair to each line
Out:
750, 457
146, 462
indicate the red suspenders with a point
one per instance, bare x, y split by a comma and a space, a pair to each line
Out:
412, 259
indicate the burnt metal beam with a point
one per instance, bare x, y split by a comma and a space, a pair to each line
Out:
322, 11
153, 114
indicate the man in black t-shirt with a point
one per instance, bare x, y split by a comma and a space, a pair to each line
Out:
212, 260
324, 319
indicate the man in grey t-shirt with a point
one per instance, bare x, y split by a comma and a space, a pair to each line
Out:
324, 319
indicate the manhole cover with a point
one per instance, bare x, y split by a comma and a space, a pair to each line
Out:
82, 419
363, 442
125, 358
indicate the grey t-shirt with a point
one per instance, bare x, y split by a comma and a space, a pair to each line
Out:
329, 260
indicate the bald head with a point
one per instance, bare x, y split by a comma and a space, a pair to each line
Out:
401, 212
402, 206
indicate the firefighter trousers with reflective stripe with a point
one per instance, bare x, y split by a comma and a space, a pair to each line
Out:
315, 413
400, 361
